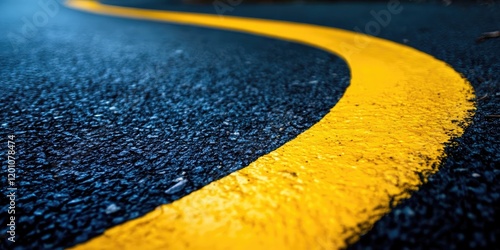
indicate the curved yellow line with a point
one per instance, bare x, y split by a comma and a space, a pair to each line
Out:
332, 182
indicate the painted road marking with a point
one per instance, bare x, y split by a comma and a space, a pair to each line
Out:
324, 188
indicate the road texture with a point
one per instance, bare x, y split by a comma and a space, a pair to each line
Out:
100, 145
75, 98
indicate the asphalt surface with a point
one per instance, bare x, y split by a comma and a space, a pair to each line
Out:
111, 113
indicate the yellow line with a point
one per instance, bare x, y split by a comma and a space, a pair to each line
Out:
332, 182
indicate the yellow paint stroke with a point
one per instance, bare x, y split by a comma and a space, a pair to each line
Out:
330, 184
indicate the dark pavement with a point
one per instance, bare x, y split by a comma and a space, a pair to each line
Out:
110, 113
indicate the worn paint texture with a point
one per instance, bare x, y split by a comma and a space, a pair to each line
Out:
331, 183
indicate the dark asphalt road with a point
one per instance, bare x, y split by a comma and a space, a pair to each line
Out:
115, 111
